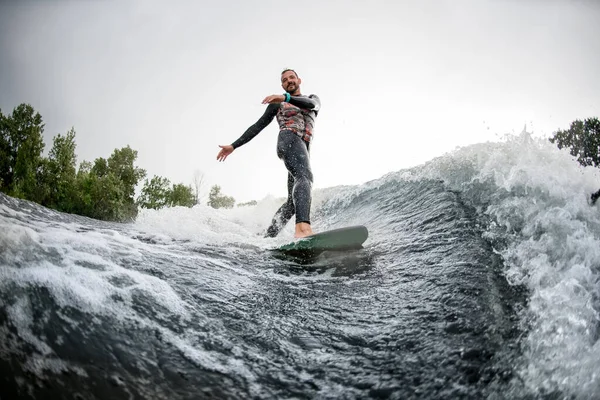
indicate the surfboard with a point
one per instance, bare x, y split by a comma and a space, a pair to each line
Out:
348, 238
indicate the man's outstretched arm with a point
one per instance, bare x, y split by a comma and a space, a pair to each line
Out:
250, 133
258, 126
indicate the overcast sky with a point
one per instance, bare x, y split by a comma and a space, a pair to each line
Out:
400, 82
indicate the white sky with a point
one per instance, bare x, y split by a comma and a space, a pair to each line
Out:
400, 81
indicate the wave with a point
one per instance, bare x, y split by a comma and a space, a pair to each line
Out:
479, 279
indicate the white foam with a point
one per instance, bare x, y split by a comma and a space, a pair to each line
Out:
537, 196
206, 225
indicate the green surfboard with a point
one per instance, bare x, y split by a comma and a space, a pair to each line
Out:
348, 238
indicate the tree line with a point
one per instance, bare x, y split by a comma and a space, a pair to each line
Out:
583, 141
103, 189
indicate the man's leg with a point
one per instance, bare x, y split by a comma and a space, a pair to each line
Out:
285, 212
297, 161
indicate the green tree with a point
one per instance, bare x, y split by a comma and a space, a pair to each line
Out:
218, 200
62, 173
119, 176
583, 140
102, 190
100, 167
83, 202
21, 147
45, 183
5, 154
106, 188
102, 197
155, 193
248, 203
120, 163
182, 195
108, 200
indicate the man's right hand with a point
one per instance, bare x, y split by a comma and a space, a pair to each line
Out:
225, 151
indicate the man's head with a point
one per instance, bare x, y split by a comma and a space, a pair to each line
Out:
290, 82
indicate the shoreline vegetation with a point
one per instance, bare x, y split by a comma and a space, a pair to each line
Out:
105, 189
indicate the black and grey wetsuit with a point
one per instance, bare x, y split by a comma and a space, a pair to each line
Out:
296, 120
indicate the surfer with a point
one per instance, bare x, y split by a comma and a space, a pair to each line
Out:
296, 115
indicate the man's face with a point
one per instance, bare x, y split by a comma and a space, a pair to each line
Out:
290, 82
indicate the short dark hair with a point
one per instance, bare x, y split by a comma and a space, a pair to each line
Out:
289, 69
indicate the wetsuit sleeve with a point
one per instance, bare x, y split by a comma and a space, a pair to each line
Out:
255, 129
311, 102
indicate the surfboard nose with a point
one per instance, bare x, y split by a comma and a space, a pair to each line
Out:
347, 238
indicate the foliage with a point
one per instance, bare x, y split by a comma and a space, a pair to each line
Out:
120, 164
182, 195
583, 140
60, 173
103, 189
157, 194
21, 147
248, 203
100, 167
102, 198
100, 191
5, 154
218, 200
107, 188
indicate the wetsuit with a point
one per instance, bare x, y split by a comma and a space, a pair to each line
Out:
296, 120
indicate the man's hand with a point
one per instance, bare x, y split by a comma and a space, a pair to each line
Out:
225, 151
274, 98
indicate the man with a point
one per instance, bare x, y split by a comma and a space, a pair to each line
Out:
296, 115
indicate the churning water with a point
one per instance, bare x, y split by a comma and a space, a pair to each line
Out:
480, 279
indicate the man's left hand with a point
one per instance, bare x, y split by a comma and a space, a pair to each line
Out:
274, 99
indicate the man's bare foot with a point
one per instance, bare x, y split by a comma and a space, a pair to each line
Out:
303, 229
